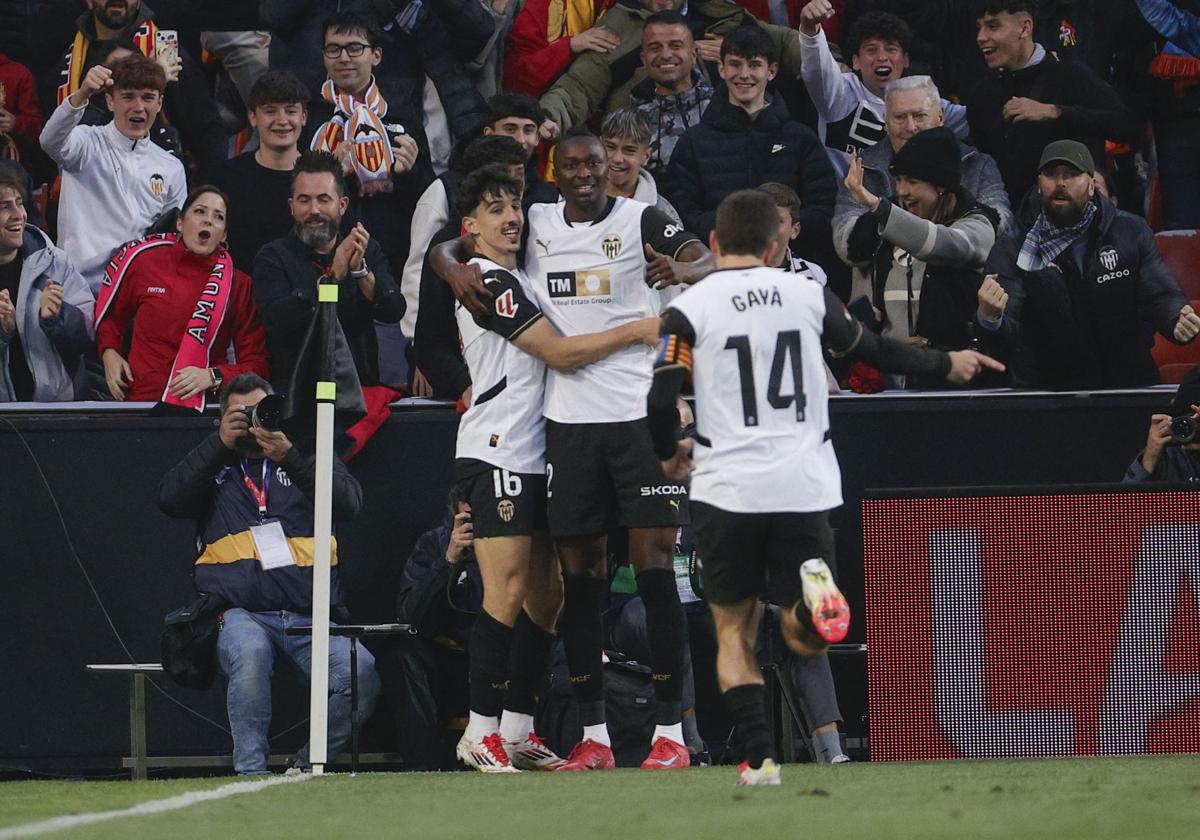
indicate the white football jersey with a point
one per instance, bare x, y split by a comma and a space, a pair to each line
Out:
503, 425
762, 402
590, 277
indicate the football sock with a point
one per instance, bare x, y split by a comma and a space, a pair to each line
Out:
747, 704
527, 665
804, 616
665, 630
597, 732
488, 650
480, 726
673, 732
582, 632
515, 726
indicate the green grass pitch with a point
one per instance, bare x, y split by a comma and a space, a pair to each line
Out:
1062, 799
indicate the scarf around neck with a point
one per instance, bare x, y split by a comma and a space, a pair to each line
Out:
1045, 241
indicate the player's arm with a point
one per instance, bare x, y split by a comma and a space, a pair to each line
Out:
569, 353
844, 336
465, 281
673, 255
671, 369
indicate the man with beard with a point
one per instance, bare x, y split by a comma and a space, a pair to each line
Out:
288, 271
250, 491
1070, 293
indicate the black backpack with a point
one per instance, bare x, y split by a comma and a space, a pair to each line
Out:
189, 642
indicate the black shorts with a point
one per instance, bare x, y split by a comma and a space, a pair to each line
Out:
746, 555
602, 475
503, 503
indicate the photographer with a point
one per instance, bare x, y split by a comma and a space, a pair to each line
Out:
1166, 458
251, 494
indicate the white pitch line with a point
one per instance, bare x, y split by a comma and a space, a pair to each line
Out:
157, 806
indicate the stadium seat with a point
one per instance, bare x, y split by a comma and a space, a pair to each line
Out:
1176, 361
1181, 250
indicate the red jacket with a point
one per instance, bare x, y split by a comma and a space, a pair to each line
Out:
20, 99
535, 56
160, 288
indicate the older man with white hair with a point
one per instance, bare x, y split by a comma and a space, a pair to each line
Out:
912, 105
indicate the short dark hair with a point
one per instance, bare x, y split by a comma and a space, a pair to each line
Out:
667, 17
749, 41
512, 104
315, 163
577, 132
494, 180
10, 179
136, 72
746, 223
1013, 7
783, 196
196, 192
242, 384
494, 148
352, 23
885, 26
277, 87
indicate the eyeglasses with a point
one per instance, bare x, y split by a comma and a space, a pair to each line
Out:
352, 50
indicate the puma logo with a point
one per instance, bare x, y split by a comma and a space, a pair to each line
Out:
545, 245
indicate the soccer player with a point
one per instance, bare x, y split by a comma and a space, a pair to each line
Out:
500, 469
594, 261
766, 474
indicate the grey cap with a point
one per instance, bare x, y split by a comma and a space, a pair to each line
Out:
1068, 151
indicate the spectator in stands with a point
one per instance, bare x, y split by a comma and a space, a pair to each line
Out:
259, 182
1031, 98
626, 135
514, 115
912, 104
19, 172
21, 119
598, 83
925, 246
850, 105
115, 182
745, 139
787, 205
193, 112
674, 93
179, 305
1164, 458
287, 272
1077, 287
546, 35
45, 307
237, 479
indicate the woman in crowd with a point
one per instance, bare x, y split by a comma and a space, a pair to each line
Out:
170, 308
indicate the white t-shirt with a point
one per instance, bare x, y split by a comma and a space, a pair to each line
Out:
589, 277
504, 425
762, 404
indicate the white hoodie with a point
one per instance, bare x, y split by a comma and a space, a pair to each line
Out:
113, 188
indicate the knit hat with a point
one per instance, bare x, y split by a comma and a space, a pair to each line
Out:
933, 156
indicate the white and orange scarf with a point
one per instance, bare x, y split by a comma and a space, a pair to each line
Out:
360, 123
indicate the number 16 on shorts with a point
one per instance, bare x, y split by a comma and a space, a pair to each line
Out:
506, 483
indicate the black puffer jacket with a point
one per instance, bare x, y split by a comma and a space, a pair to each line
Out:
1067, 330
729, 151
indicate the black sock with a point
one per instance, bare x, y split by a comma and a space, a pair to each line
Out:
582, 632
488, 653
747, 704
665, 631
527, 664
804, 616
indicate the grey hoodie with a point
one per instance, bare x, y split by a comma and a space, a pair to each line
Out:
52, 348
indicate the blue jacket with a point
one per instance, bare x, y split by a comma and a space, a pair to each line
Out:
1179, 27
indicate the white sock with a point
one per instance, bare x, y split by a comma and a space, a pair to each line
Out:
597, 732
515, 726
674, 732
480, 726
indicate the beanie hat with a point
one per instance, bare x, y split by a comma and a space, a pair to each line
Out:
933, 155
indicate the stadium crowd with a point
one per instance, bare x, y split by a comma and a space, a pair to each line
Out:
177, 179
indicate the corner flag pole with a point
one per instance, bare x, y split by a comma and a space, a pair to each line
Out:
318, 722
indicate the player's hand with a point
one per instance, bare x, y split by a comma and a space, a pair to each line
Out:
661, 270
1156, 440
709, 47
1024, 109
275, 445
854, 184
1188, 325
420, 385
234, 424
191, 381
549, 130
813, 15
466, 284
461, 537
405, 152
965, 365
645, 331
8, 313
992, 298
52, 301
599, 39
117, 373
680, 465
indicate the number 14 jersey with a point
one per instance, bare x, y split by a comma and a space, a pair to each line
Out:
762, 400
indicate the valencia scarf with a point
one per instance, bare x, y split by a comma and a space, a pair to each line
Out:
360, 123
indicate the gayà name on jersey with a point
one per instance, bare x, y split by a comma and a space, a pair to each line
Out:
757, 297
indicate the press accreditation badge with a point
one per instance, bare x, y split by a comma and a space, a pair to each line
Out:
272, 546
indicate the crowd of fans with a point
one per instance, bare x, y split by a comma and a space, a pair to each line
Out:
913, 138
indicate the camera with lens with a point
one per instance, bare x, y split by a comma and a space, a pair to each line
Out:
268, 414
1185, 429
